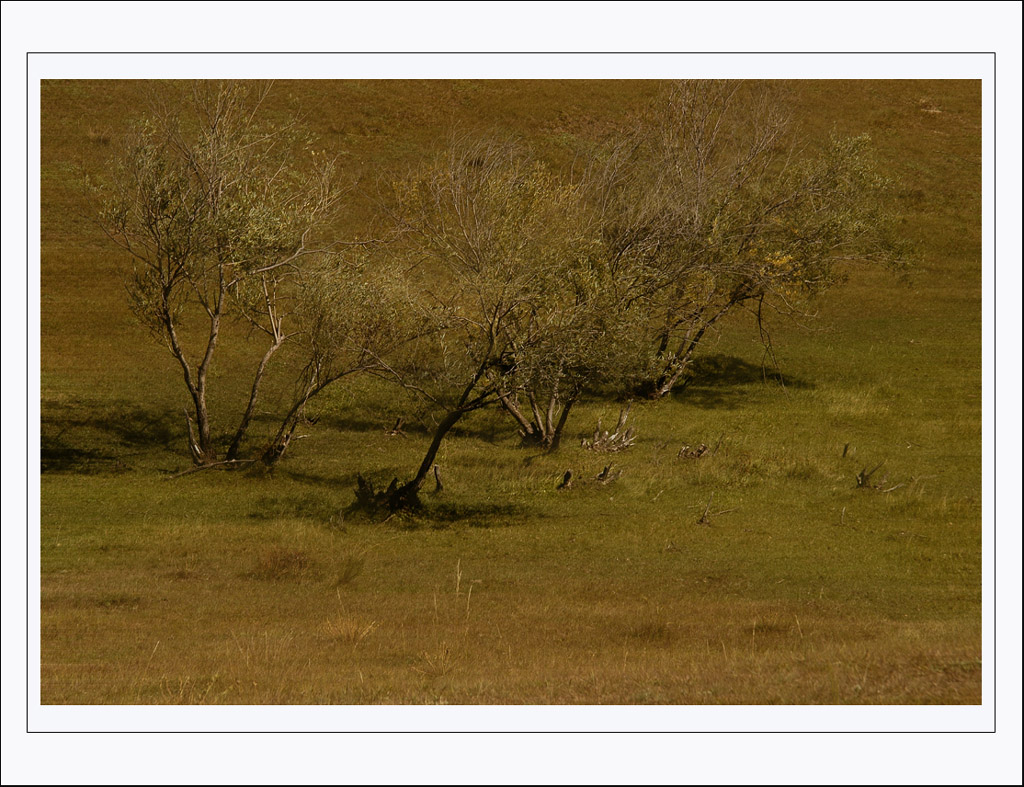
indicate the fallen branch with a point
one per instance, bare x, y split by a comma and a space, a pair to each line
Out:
705, 518
223, 464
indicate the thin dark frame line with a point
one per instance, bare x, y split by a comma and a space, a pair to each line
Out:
28, 445
28, 79
363, 54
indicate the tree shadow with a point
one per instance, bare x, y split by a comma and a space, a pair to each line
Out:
309, 505
491, 430
442, 515
57, 456
79, 437
725, 381
344, 481
488, 429
350, 422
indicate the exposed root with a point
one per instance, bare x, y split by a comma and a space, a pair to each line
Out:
397, 497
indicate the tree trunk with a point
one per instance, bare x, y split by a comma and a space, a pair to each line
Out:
200, 446
527, 429
663, 344
665, 383
556, 436
202, 417
275, 450
203, 424
542, 431
408, 493
701, 322
243, 425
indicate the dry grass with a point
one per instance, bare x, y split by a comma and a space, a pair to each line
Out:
695, 650
281, 563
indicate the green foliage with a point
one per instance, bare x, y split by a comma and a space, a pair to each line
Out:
214, 212
203, 190
354, 313
480, 241
717, 200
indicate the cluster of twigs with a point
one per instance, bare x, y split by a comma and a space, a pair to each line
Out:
609, 442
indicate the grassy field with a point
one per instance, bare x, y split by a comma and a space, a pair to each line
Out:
797, 587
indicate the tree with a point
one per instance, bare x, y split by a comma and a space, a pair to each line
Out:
713, 197
588, 330
490, 243
218, 211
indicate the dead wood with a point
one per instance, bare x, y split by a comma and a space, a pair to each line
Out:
610, 442
864, 476
705, 518
225, 464
690, 452
397, 497
397, 430
606, 476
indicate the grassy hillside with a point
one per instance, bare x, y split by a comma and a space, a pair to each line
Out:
799, 587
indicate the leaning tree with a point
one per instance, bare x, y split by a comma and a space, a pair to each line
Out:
495, 249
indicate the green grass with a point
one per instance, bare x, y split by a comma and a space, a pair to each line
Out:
799, 588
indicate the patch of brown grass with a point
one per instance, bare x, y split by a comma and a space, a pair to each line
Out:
278, 563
